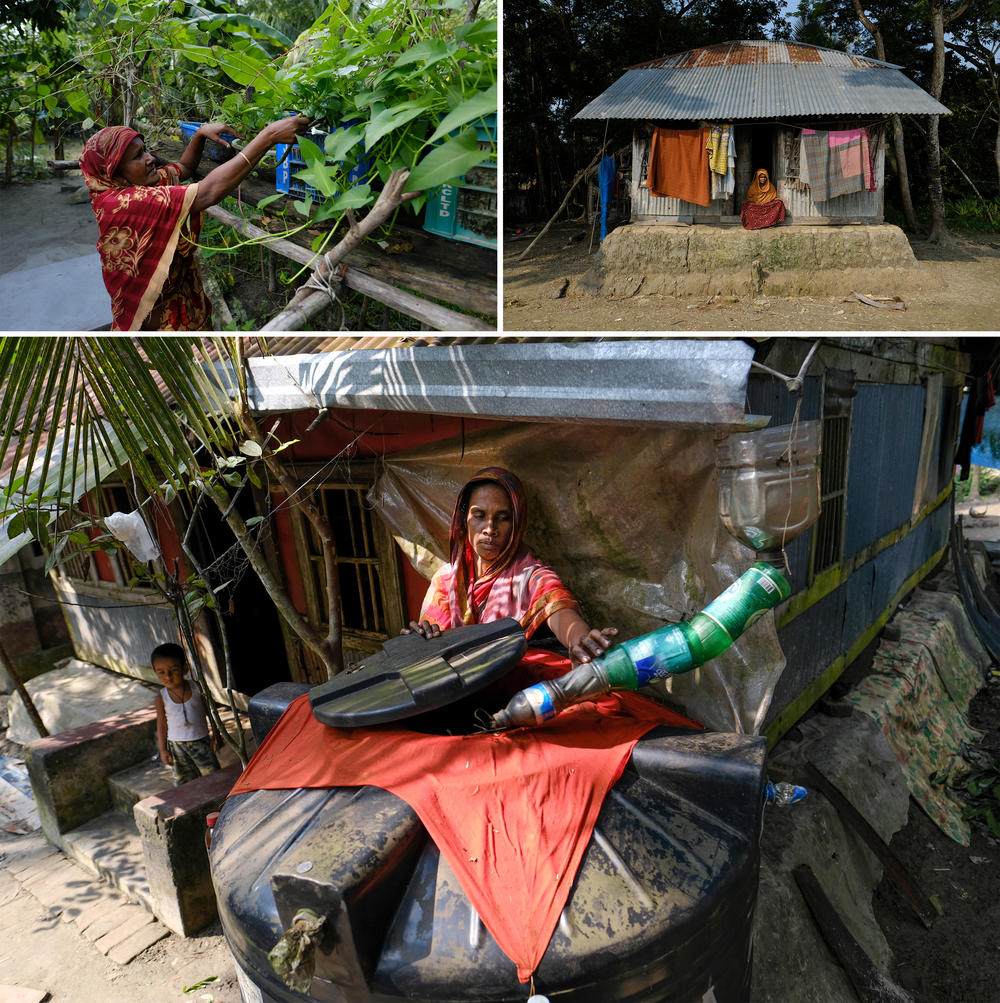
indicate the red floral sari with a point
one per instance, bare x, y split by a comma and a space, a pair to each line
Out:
146, 243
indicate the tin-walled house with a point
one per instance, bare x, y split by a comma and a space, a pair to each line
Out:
768, 92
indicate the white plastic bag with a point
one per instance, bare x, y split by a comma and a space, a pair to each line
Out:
129, 528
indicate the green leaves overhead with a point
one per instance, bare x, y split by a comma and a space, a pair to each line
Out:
391, 82
75, 408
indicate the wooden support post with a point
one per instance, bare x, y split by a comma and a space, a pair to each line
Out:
29, 704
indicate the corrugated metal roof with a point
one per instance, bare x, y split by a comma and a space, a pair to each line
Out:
748, 80
755, 51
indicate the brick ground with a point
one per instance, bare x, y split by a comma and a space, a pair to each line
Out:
116, 926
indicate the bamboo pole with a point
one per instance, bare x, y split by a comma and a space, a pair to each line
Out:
438, 316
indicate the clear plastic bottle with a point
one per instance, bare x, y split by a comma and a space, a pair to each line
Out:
668, 651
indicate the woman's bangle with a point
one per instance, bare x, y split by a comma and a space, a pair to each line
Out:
246, 158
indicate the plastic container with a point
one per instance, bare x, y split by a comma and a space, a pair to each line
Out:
212, 149
661, 910
468, 211
769, 483
288, 184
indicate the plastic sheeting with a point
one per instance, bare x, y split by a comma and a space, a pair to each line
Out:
629, 519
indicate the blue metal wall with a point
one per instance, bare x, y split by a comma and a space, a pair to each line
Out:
886, 432
886, 435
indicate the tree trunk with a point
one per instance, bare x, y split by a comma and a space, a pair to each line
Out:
333, 644
275, 590
939, 223
996, 146
904, 176
897, 125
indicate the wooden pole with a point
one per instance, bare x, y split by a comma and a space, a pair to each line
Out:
580, 175
29, 704
438, 316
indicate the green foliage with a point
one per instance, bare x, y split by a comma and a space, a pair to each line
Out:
989, 485
971, 214
388, 83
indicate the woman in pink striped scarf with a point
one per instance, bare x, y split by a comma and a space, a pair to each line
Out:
492, 574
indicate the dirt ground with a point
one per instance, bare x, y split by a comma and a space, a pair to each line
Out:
967, 301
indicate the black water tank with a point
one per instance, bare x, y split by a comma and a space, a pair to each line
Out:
661, 909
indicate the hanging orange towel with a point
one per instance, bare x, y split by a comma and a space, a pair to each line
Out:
678, 165
512, 813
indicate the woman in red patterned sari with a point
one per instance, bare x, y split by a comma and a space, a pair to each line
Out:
493, 575
149, 222
762, 207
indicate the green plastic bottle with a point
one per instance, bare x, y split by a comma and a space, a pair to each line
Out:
670, 650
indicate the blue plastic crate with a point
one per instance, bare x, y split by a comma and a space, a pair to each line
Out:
212, 150
468, 211
289, 185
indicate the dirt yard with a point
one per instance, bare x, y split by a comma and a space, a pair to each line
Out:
965, 298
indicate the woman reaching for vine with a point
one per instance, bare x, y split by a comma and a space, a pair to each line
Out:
149, 222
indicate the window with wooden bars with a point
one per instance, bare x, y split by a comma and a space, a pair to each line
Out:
371, 599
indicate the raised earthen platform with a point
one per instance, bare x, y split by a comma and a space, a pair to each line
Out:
705, 260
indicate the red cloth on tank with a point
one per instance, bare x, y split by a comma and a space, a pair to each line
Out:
512, 813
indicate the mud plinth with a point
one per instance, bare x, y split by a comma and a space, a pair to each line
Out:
781, 261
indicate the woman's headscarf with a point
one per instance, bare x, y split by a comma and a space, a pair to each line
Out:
516, 584
457, 535
102, 154
759, 193
139, 226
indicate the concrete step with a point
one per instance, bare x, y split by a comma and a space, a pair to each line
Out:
109, 845
138, 783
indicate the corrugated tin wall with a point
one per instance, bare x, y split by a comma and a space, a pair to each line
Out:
645, 205
886, 436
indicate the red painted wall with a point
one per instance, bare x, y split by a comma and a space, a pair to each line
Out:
286, 551
368, 434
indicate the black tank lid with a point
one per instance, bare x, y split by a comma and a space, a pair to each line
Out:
413, 674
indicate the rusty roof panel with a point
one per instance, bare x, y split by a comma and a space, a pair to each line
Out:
754, 51
760, 91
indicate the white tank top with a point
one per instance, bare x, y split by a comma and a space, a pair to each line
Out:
193, 708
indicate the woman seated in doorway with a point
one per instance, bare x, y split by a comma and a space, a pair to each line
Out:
149, 222
762, 207
492, 574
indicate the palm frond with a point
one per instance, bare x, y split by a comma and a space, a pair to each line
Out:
75, 408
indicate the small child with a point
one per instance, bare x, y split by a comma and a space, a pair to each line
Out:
181, 721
